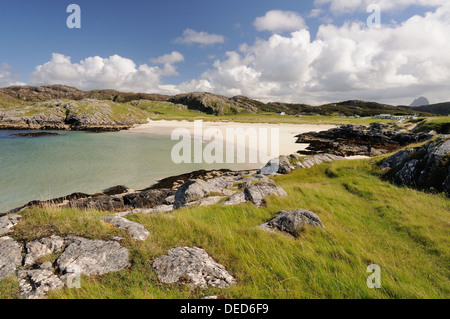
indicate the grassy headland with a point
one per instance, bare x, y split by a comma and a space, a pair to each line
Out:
367, 221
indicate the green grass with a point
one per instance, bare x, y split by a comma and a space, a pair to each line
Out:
367, 220
165, 111
439, 124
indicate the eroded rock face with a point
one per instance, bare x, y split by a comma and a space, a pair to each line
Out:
10, 256
192, 266
93, 257
397, 159
137, 231
422, 167
294, 221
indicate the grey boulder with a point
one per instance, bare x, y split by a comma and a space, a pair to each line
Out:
192, 266
10, 256
194, 190
34, 284
7, 222
137, 231
93, 257
255, 193
293, 222
40, 248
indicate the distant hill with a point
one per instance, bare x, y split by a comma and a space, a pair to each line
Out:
51, 92
212, 103
421, 101
439, 108
346, 108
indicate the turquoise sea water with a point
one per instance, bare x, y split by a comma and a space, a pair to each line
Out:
49, 167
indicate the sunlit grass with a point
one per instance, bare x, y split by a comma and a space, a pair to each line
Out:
367, 221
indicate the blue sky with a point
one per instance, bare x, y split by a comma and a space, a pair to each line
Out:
140, 31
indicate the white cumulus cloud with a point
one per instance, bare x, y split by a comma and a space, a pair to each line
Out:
393, 64
6, 77
203, 38
280, 21
172, 58
96, 72
349, 6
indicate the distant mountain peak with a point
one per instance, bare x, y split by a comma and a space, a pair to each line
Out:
421, 101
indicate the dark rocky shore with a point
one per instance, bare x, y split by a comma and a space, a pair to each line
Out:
351, 140
35, 134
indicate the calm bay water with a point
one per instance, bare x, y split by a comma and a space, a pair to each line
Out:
49, 167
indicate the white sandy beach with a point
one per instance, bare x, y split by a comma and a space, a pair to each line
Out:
287, 132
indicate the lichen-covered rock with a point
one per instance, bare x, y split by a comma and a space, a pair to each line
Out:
34, 284
43, 247
10, 256
154, 210
235, 199
293, 222
7, 222
137, 231
93, 257
192, 266
207, 201
194, 190
257, 193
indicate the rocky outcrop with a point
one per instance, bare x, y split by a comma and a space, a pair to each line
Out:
425, 167
275, 166
36, 283
293, 222
192, 266
310, 161
146, 199
93, 257
114, 199
10, 256
286, 164
350, 140
41, 248
256, 193
137, 231
194, 190
78, 255
35, 134
84, 115
7, 222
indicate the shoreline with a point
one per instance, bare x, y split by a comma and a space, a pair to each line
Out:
287, 132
